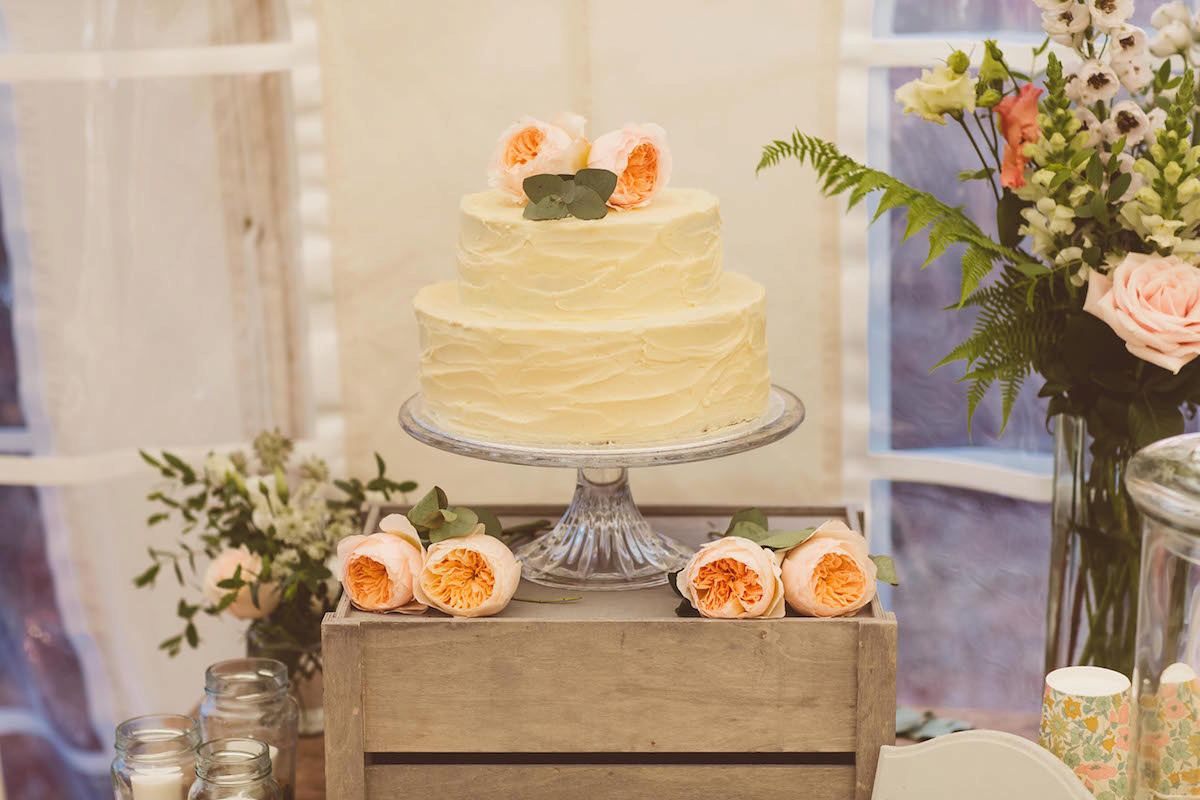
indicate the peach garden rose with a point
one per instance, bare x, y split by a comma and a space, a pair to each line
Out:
223, 568
1153, 303
733, 578
469, 576
532, 147
639, 156
830, 574
378, 571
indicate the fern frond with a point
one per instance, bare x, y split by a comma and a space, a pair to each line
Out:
947, 225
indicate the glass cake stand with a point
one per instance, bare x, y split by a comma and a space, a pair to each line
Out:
603, 542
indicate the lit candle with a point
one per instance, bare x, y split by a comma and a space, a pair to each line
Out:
158, 785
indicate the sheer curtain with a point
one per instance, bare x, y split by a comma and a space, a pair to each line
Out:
151, 232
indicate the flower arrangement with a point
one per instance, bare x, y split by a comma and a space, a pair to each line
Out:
269, 531
1091, 276
751, 571
562, 174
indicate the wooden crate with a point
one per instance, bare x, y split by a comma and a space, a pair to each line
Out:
609, 697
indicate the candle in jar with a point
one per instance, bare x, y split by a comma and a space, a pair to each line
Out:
158, 785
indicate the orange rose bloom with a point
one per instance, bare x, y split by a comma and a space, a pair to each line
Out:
830, 574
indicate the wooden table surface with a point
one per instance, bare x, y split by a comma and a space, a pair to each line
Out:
310, 758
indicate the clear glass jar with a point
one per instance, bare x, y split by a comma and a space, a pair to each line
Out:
156, 757
248, 698
234, 769
1164, 481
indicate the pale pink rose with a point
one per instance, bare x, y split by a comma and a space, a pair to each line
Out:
469, 576
733, 578
639, 156
1153, 303
533, 147
830, 574
378, 571
223, 568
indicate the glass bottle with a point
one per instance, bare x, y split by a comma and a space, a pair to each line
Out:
248, 698
234, 769
156, 757
1164, 481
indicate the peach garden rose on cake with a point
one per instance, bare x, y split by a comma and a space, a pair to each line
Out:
639, 157
532, 147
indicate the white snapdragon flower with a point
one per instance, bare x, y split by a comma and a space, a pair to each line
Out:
1127, 120
1128, 42
1108, 16
1156, 118
1173, 37
1072, 83
1064, 22
1059, 218
1035, 228
1097, 82
1163, 232
1167, 13
1133, 73
1068, 255
1089, 124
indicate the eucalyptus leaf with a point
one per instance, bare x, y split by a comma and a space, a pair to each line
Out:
786, 540
755, 515
551, 207
586, 204
686, 609
464, 521
601, 181
885, 570
491, 523
748, 530
426, 509
538, 187
673, 580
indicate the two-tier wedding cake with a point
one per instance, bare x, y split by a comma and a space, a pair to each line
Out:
571, 323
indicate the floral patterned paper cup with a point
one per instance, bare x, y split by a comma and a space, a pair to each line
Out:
1085, 723
1169, 735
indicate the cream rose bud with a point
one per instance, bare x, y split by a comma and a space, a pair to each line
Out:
469, 576
937, 92
639, 156
532, 147
378, 572
830, 574
733, 578
223, 567
217, 466
1153, 303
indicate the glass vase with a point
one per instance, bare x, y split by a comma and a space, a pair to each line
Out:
1164, 481
156, 757
305, 670
1094, 559
234, 769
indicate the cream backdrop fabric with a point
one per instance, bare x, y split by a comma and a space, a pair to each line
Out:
415, 96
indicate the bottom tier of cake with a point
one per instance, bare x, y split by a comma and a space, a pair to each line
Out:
659, 379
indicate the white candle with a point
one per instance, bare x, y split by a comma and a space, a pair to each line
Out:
158, 785
274, 760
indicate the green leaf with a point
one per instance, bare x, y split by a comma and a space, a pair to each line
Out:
747, 530
885, 570
1118, 186
1008, 218
147, 577
600, 181
977, 175
786, 540
464, 520
1150, 422
186, 473
151, 460
686, 609
171, 645
1095, 172
425, 512
446, 515
405, 487
673, 581
491, 523
552, 207
193, 638
379, 465
154, 519
586, 204
1031, 268
539, 187
755, 515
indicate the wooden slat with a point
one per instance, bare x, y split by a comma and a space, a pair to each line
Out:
785, 685
610, 782
876, 707
344, 755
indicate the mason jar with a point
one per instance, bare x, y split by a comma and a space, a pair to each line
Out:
248, 698
156, 757
1164, 481
234, 769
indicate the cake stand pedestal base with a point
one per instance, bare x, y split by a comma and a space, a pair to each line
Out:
603, 542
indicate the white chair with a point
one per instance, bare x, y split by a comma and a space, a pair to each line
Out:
981, 765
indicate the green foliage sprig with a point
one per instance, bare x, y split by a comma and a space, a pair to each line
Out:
583, 195
436, 520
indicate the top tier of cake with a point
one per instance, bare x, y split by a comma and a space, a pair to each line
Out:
659, 259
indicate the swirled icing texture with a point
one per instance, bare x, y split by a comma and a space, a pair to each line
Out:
594, 381
665, 257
